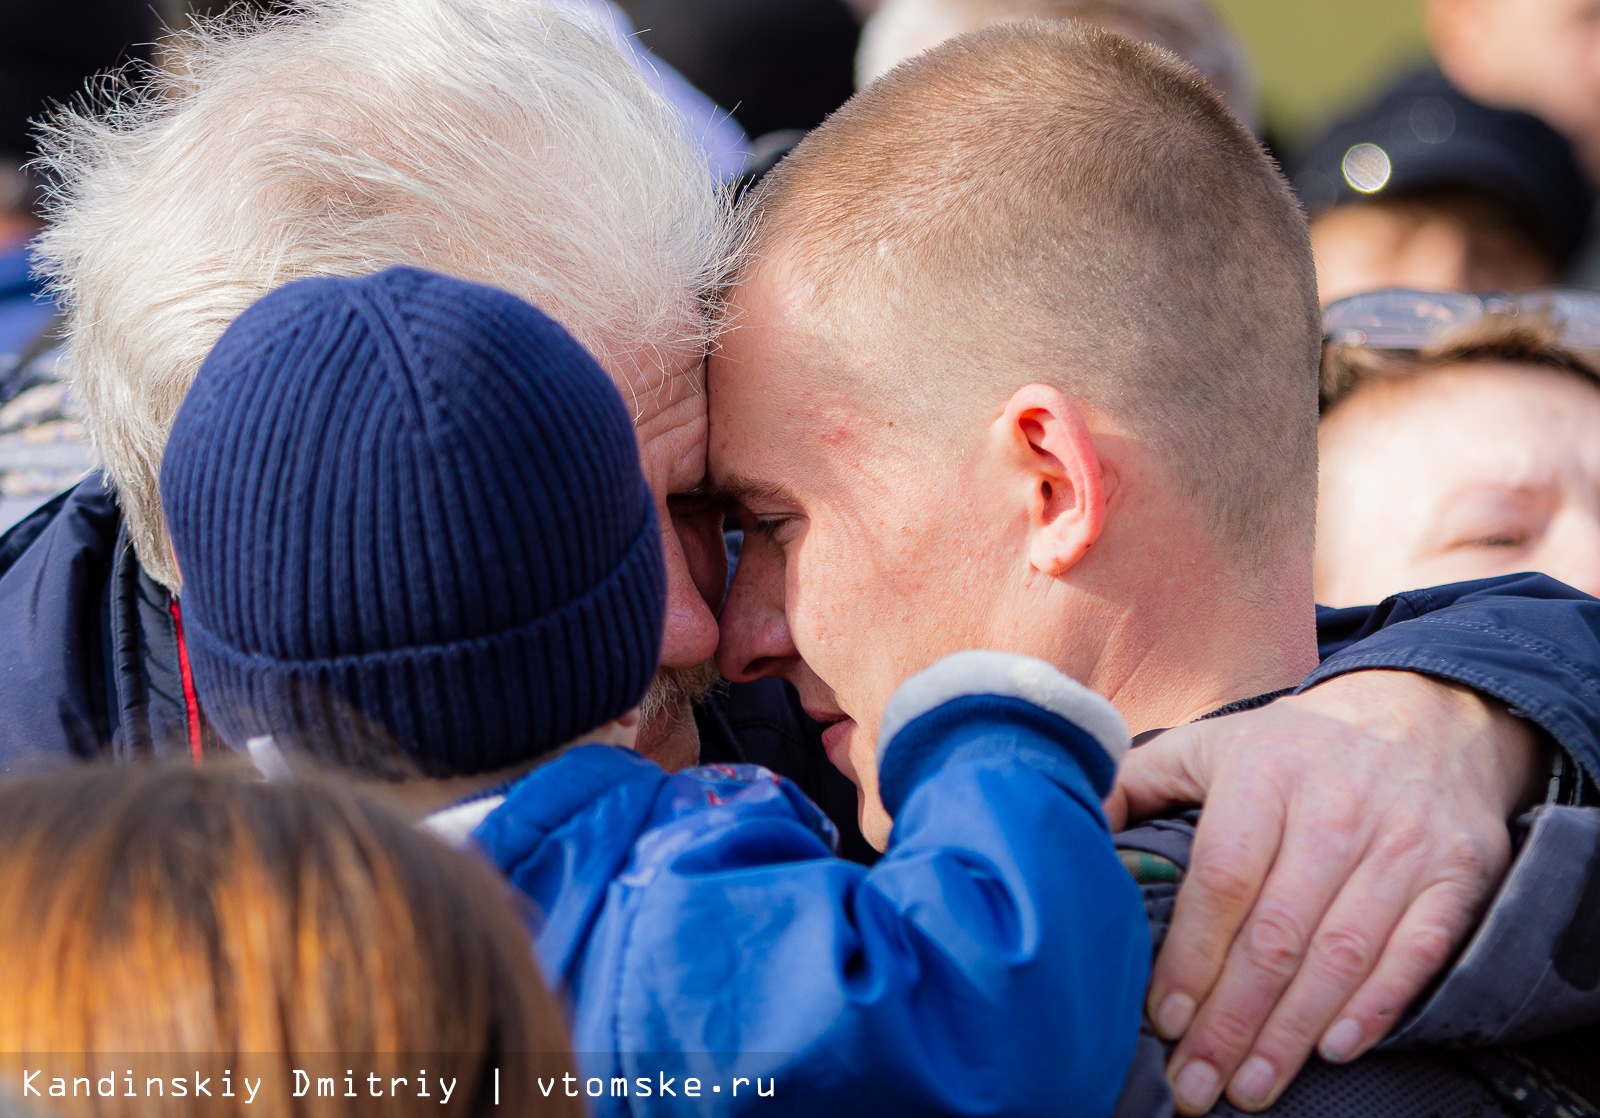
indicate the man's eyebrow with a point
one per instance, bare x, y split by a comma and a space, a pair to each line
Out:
737, 489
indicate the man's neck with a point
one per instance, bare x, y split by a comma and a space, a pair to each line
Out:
1194, 647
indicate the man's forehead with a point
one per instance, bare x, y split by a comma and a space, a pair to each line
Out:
779, 294
764, 430
783, 385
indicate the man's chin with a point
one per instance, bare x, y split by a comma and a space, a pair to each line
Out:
671, 739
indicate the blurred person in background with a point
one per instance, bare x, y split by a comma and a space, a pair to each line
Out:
1191, 29
1458, 443
1426, 188
1540, 56
172, 923
48, 53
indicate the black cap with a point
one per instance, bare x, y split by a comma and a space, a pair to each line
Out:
1422, 134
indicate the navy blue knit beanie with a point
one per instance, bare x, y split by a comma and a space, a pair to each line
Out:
411, 525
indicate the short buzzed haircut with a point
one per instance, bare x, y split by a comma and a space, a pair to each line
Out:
1043, 202
1190, 29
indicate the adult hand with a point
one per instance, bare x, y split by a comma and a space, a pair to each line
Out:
1350, 838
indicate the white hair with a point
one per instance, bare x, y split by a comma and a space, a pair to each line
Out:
502, 141
1191, 29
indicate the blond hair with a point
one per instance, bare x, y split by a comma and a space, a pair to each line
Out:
1044, 201
158, 922
503, 141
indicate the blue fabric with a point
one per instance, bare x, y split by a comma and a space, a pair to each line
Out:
1526, 639
993, 961
409, 513
999, 725
24, 309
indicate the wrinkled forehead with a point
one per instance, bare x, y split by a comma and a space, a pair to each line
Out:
657, 378
663, 387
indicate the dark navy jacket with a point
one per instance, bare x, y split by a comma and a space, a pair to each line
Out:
1509, 1029
91, 664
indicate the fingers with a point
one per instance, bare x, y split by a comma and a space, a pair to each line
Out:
1235, 847
1364, 864
1419, 948
1260, 963
1164, 772
1341, 953
1338, 973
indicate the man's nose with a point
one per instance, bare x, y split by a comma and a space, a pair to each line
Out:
755, 634
691, 634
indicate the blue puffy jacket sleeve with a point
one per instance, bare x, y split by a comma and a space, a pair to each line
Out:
993, 962
1526, 639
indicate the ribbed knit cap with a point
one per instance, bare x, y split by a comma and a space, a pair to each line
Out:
408, 513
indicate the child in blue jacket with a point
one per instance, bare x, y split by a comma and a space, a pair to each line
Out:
991, 962
415, 541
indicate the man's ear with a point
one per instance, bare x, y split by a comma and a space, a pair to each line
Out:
1050, 444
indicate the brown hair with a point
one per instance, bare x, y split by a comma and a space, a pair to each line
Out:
1053, 202
1525, 339
158, 922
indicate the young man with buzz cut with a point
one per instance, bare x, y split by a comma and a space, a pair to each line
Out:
1024, 357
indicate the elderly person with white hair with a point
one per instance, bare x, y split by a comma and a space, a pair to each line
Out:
510, 142
504, 141
500, 141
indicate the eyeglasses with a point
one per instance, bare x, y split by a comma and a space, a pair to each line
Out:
1401, 318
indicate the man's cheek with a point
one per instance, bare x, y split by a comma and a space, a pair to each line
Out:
824, 601
814, 636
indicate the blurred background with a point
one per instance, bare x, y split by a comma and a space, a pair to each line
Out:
1315, 58
1434, 143
1312, 58
778, 65
1440, 145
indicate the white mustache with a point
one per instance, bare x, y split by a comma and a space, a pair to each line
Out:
674, 689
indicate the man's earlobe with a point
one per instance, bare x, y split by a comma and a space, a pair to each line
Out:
1062, 469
